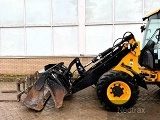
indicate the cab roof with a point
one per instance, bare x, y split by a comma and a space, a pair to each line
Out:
152, 13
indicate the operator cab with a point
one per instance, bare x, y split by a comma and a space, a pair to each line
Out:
150, 54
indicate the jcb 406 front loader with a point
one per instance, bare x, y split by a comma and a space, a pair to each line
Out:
117, 72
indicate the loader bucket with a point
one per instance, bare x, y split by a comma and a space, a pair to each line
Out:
57, 91
36, 99
49, 84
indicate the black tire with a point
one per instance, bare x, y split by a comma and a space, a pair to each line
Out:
158, 84
110, 78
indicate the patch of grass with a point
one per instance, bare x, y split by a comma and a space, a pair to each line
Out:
10, 78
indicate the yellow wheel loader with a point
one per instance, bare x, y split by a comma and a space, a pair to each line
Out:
118, 72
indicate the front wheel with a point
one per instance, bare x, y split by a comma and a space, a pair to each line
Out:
117, 90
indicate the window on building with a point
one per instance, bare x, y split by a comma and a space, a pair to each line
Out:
67, 27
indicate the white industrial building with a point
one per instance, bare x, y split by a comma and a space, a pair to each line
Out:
44, 29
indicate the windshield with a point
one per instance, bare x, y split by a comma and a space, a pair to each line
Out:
152, 31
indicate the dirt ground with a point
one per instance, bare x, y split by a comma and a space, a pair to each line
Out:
83, 105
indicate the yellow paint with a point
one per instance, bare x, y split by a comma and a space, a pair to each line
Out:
131, 59
123, 98
152, 75
158, 76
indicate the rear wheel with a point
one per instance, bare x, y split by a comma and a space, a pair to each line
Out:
117, 90
158, 84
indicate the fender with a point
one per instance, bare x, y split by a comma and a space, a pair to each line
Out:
138, 77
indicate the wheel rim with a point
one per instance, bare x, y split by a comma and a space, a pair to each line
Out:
118, 92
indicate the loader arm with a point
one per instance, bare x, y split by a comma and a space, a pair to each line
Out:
108, 60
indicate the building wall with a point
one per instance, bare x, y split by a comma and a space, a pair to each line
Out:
25, 66
32, 30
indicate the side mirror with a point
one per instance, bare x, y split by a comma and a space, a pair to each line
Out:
143, 28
